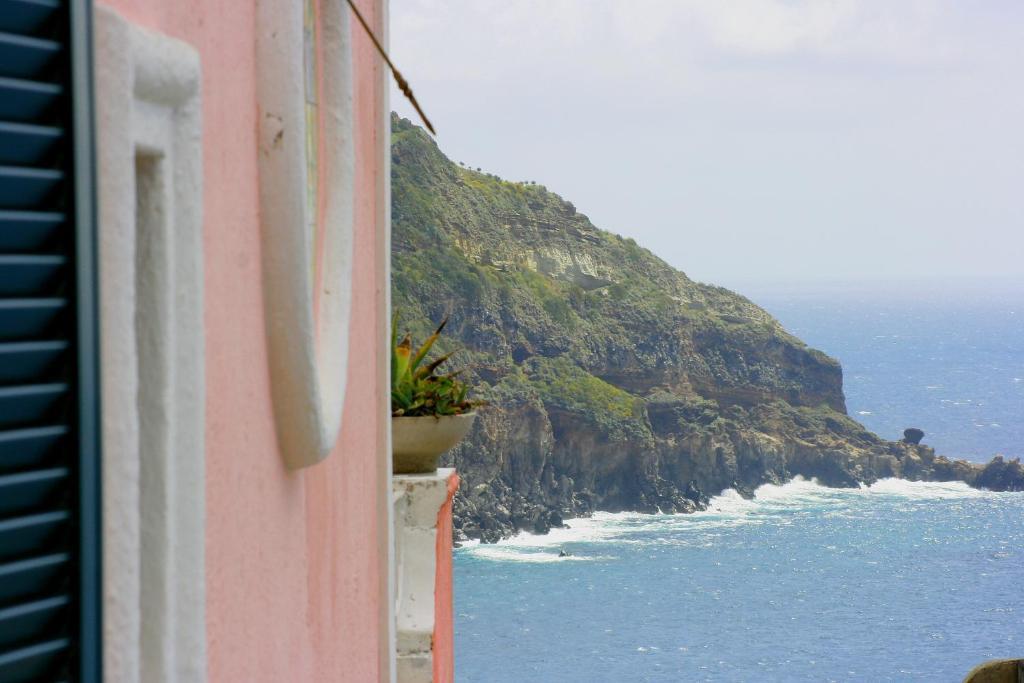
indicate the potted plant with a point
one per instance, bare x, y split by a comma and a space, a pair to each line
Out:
430, 412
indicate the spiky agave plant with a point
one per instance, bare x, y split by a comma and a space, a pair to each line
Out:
415, 388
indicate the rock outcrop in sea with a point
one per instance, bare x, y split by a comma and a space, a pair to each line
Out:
615, 382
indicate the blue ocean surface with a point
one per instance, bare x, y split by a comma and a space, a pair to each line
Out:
900, 581
947, 358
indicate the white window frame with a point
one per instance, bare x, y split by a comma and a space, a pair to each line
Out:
152, 353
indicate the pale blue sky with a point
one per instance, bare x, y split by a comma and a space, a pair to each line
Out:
746, 141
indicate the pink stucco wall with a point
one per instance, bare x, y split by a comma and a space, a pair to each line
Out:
444, 627
296, 562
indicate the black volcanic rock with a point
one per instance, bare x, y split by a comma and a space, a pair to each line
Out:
913, 435
1001, 475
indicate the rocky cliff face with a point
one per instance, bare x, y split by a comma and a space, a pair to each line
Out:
615, 382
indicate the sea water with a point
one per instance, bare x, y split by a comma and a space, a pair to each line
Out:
946, 358
899, 581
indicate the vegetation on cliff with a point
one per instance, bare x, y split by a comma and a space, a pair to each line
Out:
613, 380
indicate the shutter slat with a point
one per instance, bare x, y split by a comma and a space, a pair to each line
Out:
27, 100
23, 144
28, 274
25, 56
22, 231
34, 662
25, 319
26, 16
30, 621
21, 537
29, 491
27, 188
22, 449
20, 362
31, 577
23, 405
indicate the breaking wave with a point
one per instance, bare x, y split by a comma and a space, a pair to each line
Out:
498, 552
772, 504
924, 489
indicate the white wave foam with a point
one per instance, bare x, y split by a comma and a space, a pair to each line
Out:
923, 489
503, 553
801, 491
796, 491
601, 526
768, 497
804, 492
771, 504
728, 502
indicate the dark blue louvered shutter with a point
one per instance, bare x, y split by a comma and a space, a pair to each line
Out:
49, 454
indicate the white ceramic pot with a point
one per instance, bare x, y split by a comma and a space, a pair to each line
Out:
418, 442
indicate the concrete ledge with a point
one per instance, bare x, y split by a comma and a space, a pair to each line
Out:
423, 575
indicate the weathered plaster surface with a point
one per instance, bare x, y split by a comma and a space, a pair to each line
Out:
296, 562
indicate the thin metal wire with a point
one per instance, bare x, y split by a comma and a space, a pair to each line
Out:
403, 85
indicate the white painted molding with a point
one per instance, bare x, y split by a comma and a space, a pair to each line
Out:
152, 353
308, 348
383, 233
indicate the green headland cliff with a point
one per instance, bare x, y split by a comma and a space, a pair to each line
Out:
614, 381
